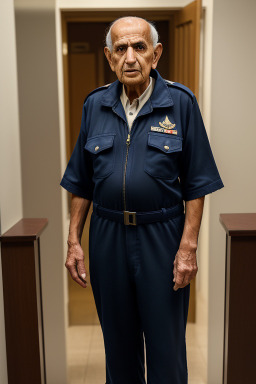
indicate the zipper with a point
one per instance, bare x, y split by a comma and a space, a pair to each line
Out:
128, 140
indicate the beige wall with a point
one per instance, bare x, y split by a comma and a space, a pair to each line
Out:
40, 154
233, 137
205, 105
10, 171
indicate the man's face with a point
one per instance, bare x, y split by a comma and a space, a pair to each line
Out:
133, 54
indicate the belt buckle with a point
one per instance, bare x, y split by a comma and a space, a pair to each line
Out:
130, 215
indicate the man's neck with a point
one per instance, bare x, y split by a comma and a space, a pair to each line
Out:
135, 92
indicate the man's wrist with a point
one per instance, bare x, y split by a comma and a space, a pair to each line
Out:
188, 245
73, 242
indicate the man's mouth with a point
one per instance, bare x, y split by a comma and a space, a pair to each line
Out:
131, 70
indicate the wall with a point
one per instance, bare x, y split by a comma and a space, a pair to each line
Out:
233, 137
204, 102
10, 171
40, 154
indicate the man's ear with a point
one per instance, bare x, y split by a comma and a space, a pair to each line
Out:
109, 57
157, 54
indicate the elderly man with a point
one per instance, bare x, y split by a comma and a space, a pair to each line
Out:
141, 153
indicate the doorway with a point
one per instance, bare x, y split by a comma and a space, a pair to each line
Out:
85, 68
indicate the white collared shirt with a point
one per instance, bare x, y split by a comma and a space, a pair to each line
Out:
132, 110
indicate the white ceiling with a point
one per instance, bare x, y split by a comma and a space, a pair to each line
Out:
50, 4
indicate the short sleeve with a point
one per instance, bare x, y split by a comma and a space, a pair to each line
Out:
77, 178
199, 174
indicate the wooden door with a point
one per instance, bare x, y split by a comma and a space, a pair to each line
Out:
82, 80
187, 45
85, 71
80, 65
186, 71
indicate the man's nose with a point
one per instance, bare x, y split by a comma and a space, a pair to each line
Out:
130, 57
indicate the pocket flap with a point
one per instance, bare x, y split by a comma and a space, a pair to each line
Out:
98, 143
165, 142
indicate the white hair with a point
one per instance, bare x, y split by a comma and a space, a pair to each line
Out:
153, 32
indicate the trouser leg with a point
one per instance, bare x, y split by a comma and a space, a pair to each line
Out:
115, 299
163, 311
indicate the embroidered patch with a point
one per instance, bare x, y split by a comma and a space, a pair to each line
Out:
164, 130
167, 124
166, 127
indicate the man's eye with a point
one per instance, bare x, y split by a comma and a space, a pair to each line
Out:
139, 47
120, 49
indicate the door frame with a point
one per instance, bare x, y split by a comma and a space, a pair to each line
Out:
65, 13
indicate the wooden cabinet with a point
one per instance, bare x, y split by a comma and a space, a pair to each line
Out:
23, 312
240, 299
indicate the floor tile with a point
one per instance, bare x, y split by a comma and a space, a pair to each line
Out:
86, 354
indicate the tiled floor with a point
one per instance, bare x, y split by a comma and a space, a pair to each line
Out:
86, 358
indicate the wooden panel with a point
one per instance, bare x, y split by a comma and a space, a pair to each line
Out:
171, 48
22, 295
240, 311
80, 84
187, 46
111, 15
180, 54
21, 331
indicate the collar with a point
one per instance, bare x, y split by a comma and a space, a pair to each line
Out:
140, 101
160, 97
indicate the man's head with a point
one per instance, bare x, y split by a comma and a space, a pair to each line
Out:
132, 50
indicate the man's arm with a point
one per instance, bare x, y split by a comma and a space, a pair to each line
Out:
185, 264
75, 256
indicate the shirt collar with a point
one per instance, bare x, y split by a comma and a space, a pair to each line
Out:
140, 101
161, 95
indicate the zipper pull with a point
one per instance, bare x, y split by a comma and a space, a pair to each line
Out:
128, 140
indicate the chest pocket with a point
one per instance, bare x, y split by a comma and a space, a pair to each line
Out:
162, 155
102, 150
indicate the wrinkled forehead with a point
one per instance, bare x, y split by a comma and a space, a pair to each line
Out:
131, 29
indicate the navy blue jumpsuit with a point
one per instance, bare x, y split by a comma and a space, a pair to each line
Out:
165, 161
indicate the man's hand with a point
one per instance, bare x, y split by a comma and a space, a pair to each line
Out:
185, 267
75, 256
75, 263
185, 263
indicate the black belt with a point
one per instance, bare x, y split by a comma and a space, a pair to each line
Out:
136, 218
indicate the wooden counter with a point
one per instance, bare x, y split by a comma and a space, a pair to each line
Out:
240, 298
23, 311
